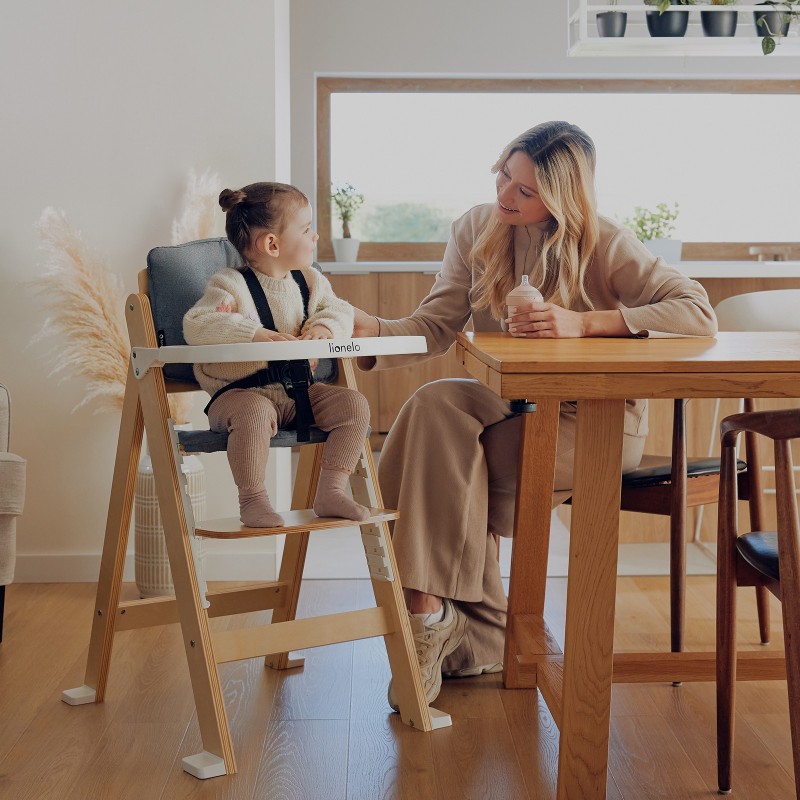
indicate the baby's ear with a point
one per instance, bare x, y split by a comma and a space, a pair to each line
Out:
267, 244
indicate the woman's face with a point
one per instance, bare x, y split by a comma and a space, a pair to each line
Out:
518, 201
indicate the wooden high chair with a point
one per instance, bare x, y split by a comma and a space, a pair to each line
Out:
161, 363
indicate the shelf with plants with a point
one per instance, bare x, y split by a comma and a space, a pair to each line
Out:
627, 28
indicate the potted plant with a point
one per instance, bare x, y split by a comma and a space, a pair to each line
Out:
719, 22
775, 23
654, 227
346, 201
611, 23
672, 24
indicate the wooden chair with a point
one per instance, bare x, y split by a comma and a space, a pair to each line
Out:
161, 363
671, 485
770, 560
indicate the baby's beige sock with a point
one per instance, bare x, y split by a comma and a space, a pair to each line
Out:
331, 500
255, 509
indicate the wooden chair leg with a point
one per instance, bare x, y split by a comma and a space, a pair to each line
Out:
789, 565
756, 517
677, 526
726, 618
295, 548
406, 678
112, 564
2, 608
677, 584
762, 604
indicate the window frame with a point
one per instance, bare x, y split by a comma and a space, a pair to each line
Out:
434, 251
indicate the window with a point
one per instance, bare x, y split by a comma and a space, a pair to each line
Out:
421, 150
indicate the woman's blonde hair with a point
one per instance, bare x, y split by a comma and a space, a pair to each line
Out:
564, 158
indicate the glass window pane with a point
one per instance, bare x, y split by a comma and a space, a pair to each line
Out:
730, 161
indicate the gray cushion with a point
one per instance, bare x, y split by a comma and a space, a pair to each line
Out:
211, 442
177, 277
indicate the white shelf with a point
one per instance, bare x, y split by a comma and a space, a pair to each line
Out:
584, 40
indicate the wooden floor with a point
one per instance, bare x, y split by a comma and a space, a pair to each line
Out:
326, 731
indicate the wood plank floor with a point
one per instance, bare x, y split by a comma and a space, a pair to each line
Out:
326, 731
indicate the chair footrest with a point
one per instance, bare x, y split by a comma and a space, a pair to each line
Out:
295, 521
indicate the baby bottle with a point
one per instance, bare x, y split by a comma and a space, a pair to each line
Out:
519, 296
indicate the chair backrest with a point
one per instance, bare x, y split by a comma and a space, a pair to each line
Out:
177, 276
774, 310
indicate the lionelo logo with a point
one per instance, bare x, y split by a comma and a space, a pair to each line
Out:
343, 348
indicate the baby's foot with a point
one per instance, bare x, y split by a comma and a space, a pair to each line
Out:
331, 501
256, 511
339, 505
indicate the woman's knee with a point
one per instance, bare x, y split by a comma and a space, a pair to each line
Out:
451, 398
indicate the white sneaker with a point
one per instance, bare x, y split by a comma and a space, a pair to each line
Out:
433, 644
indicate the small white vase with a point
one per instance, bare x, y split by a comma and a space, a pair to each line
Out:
346, 250
151, 562
668, 249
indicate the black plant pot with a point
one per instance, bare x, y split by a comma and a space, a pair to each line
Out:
612, 23
719, 23
670, 23
773, 20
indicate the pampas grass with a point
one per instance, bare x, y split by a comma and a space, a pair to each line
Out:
84, 303
200, 216
84, 300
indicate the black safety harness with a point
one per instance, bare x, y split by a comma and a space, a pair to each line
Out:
295, 375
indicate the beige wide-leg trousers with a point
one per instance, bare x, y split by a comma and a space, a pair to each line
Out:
449, 464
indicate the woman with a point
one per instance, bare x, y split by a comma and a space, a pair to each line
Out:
597, 279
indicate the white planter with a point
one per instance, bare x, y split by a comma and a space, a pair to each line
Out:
346, 250
668, 249
151, 562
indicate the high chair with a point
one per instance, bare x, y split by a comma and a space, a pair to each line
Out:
161, 363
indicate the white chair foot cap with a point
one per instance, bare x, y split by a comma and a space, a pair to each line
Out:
440, 719
723, 791
204, 765
79, 696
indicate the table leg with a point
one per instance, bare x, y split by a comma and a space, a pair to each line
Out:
591, 594
535, 473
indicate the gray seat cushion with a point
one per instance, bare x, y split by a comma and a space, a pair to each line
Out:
211, 442
177, 277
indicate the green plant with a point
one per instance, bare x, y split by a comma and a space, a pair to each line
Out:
657, 224
790, 9
347, 201
663, 5
723, 2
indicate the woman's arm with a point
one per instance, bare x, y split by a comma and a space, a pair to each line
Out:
549, 321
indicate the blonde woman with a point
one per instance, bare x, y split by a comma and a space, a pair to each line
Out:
449, 461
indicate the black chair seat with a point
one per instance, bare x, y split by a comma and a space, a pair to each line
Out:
211, 442
655, 471
760, 550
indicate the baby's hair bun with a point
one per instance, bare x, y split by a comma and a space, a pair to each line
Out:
228, 198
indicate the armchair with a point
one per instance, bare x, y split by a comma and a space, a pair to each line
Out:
12, 499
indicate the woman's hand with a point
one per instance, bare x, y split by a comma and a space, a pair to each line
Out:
364, 324
546, 321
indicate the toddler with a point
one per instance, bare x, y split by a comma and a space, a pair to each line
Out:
278, 296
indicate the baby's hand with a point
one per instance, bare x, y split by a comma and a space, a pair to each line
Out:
264, 335
317, 332
225, 308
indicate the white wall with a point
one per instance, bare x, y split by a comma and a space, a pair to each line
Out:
509, 38
107, 105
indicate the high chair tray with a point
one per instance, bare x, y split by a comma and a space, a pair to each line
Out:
299, 520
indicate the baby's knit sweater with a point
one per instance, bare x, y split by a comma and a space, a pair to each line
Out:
226, 314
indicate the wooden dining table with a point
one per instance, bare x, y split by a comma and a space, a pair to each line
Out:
599, 375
